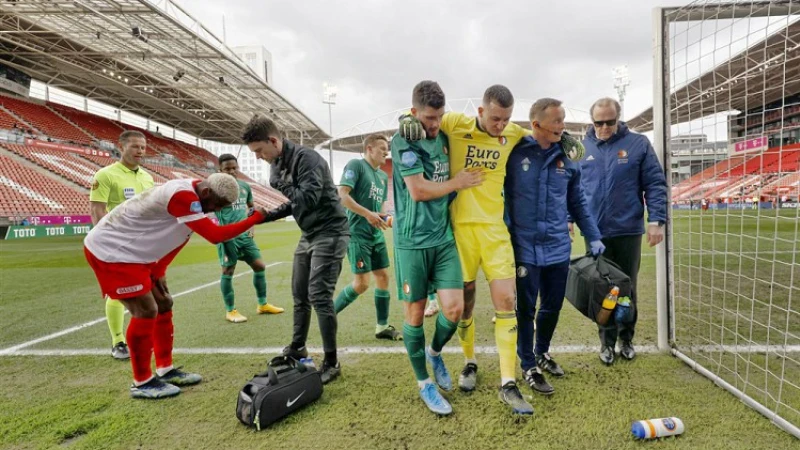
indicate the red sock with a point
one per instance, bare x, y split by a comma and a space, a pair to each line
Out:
140, 345
162, 339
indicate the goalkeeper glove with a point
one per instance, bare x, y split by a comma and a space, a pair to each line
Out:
572, 147
411, 128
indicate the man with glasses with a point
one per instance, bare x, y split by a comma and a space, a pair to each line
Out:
621, 174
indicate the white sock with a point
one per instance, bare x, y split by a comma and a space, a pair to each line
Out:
433, 353
422, 383
473, 361
139, 383
504, 380
163, 370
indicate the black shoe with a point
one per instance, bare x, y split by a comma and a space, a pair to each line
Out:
510, 395
468, 377
329, 372
627, 351
548, 364
607, 355
296, 354
536, 381
390, 333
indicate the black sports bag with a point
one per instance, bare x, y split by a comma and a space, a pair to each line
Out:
589, 281
286, 386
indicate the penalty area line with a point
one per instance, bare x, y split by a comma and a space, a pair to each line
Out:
16, 348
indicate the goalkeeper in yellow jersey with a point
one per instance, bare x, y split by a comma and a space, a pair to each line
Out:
485, 142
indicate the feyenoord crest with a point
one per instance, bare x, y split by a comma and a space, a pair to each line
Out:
526, 164
502, 140
622, 154
360, 264
406, 288
560, 164
522, 272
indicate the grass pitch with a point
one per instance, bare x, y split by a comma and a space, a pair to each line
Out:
82, 401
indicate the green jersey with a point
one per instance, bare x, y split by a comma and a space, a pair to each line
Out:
420, 224
368, 188
116, 183
238, 210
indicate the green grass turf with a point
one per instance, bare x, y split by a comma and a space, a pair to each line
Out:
82, 401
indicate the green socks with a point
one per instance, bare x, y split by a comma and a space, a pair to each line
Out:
382, 306
414, 340
226, 285
260, 283
444, 331
347, 296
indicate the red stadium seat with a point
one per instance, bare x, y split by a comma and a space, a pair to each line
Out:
45, 120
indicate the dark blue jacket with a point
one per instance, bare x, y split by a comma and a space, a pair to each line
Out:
619, 176
541, 188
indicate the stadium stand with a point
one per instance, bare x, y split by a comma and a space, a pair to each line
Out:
69, 165
743, 176
100, 127
23, 192
46, 120
10, 122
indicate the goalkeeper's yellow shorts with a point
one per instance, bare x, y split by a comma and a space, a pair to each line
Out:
484, 246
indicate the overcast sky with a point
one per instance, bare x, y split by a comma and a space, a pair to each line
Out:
375, 51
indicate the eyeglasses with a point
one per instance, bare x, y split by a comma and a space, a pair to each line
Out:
600, 123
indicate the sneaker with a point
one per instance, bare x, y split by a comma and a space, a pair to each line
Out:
390, 333
180, 378
536, 381
548, 364
440, 373
329, 372
120, 351
607, 355
627, 351
432, 309
468, 377
155, 388
510, 395
434, 400
299, 354
235, 317
269, 308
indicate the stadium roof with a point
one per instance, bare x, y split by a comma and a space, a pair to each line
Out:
149, 58
763, 73
352, 139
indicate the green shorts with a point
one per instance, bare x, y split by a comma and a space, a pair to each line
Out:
238, 249
366, 257
420, 271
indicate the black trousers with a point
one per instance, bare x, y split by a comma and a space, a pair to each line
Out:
317, 266
626, 252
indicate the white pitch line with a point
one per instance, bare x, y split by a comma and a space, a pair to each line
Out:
14, 349
355, 350
397, 350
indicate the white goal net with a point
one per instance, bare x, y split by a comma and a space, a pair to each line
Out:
727, 118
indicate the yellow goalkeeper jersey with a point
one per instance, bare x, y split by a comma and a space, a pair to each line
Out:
471, 147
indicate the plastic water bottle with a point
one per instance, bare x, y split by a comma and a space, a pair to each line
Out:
308, 362
656, 428
609, 303
623, 313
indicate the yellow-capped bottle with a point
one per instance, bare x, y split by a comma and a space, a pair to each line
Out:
609, 303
